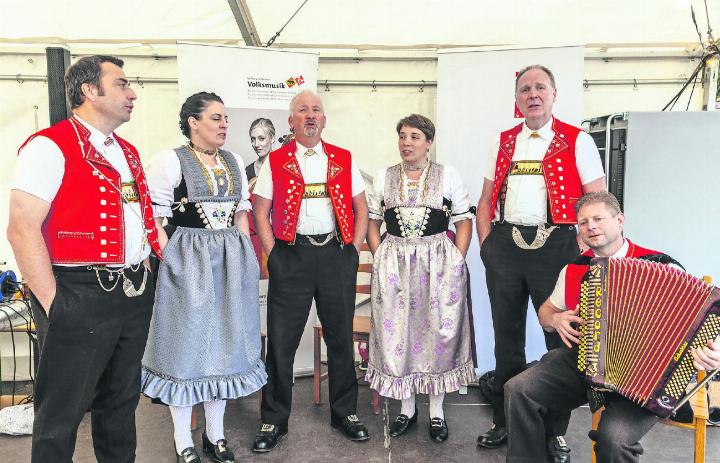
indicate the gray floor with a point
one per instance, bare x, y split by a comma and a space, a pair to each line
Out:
311, 439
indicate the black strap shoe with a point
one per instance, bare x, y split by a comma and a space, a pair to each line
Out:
219, 451
438, 430
352, 427
189, 455
557, 450
268, 437
401, 424
493, 437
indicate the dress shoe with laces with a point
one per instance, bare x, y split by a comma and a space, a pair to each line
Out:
557, 450
268, 437
352, 427
493, 437
401, 424
189, 455
438, 429
219, 451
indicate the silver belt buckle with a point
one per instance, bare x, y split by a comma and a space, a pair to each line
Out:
541, 237
315, 242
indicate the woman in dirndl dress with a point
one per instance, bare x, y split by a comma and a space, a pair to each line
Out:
204, 341
421, 335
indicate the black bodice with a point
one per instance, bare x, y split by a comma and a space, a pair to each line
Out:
432, 221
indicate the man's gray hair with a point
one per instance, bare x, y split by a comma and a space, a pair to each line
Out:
604, 197
298, 95
535, 66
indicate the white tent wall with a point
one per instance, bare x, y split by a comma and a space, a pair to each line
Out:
606, 99
359, 118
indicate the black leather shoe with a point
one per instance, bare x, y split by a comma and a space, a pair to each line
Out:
401, 424
493, 437
438, 430
189, 455
352, 427
219, 452
557, 450
268, 437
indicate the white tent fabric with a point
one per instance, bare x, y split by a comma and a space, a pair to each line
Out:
360, 25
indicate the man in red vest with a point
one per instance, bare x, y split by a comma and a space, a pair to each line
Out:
81, 227
311, 217
535, 173
554, 385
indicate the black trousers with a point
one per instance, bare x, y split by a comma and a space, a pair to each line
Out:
514, 274
298, 274
90, 351
554, 385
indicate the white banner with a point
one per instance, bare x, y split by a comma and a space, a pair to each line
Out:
254, 83
476, 95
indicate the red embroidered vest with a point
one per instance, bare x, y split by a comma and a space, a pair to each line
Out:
289, 188
559, 170
85, 224
575, 272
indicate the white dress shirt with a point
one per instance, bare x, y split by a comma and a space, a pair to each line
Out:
316, 214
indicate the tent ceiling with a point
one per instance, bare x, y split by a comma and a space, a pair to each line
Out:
353, 25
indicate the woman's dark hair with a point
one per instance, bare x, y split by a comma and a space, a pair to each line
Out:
193, 106
419, 122
86, 70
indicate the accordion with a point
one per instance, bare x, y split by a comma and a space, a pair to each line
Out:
641, 320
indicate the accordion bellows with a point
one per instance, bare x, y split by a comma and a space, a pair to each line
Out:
641, 321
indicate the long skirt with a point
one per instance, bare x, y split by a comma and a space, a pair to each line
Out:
420, 339
204, 341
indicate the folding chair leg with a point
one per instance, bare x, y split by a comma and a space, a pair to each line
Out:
700, 430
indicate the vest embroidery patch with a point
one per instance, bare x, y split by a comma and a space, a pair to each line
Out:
293, 167
333, 169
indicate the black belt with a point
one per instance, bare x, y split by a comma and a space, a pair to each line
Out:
91, 268
532, 227
324, 239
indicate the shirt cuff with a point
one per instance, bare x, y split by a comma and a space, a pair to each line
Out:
161, 211
459, 217
244, 205
558, 305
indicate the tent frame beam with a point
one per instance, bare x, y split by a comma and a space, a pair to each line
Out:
245, 23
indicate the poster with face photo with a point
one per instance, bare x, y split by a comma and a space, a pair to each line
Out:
254, 133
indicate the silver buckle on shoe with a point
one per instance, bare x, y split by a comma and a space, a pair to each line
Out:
267, 427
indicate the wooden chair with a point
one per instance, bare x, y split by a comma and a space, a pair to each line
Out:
361, 333
193, 417
699, 404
